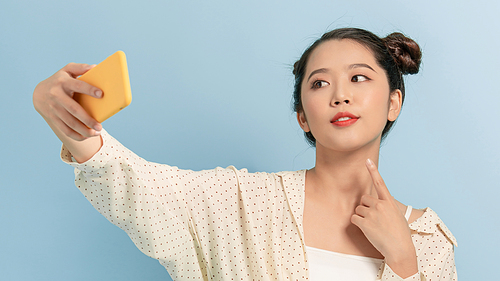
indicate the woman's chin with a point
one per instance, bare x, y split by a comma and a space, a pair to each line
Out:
348, 146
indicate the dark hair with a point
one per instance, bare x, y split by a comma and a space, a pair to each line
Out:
396, 54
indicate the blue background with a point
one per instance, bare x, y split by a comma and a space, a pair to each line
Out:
211, 84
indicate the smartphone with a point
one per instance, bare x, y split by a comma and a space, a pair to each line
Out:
111, 76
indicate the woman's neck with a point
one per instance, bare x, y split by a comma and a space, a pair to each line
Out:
342, 175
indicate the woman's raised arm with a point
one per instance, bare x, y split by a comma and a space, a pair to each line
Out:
53, 99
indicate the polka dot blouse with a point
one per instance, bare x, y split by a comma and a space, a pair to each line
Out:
225, 224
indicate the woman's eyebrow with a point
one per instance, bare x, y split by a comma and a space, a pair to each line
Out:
321, 70
356, 65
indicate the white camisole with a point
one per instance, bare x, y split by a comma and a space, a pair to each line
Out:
326, 265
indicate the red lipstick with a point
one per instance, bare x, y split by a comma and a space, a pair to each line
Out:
344, 119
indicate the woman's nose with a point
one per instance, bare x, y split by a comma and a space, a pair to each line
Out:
341, 96
337, 102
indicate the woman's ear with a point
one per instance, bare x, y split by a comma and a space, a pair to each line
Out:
395, 103
301, 118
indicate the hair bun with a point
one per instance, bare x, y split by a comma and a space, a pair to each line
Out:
405, 52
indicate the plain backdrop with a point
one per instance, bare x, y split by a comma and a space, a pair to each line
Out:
211, 84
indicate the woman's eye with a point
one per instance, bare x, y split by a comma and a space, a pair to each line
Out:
359, 78
319, 84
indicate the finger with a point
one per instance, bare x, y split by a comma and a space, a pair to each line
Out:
378, 181
368, 200
357, 221
72, 122
75, 124
77, 69
362, 211
65, 129
72, 86
76, 111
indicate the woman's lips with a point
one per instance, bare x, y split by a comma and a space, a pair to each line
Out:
344, 119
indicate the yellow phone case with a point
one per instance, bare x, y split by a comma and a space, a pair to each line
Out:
111, 76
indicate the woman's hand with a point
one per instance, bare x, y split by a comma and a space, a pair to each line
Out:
385, 226
53, 99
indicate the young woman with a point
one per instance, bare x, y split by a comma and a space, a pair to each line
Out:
336, 221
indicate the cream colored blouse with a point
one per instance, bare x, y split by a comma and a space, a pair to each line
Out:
225, 224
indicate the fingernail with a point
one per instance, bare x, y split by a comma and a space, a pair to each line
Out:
369, 162
98, 93
97, 133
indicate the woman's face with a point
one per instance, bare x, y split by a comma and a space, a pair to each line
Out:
346, 98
